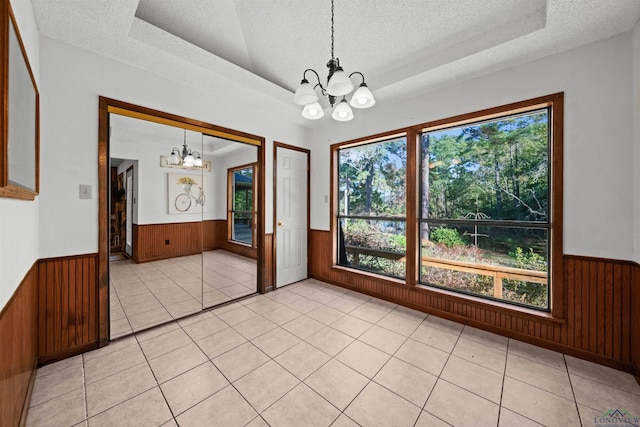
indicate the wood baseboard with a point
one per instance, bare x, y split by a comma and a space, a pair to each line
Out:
27, 398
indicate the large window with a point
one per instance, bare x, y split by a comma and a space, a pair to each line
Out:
484, 223
241, 204
372, 214
470, 204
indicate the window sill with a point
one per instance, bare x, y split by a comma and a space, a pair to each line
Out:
495, 306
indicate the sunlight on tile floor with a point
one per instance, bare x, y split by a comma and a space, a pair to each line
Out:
312, 354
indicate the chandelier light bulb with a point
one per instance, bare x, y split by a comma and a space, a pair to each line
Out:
173, 158
313, 111
189, 160
342, 112
198, 162
362, 98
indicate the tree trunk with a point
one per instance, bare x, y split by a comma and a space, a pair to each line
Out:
369, 188
496, 169
424, 227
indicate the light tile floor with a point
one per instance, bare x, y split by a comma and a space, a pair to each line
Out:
148, 294
311, 354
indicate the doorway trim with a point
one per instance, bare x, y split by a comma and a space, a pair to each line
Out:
107, 106
277, 145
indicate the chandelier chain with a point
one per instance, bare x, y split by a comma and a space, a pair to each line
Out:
332, 56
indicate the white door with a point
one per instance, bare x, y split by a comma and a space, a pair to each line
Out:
129, 220
291, 216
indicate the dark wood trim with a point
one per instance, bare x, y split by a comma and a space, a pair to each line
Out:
103, 220
269, 265
169, 119
602, 323
19, 349
277, 145
4, 87
558, 293
412, 251
107, 105
231, 199
8, 19
262, 248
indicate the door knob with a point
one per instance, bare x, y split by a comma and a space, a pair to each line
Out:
280, 223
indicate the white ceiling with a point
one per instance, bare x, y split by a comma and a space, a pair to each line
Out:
128, 130
260, 48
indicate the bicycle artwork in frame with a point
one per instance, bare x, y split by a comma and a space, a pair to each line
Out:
186, 194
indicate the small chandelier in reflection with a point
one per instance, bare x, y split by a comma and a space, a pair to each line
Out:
338, 85
184, 157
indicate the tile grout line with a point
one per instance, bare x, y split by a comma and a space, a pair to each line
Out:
442, 370
156, 380
575, 400
84, 392
504, 375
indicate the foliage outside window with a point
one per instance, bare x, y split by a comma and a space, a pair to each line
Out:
484, 208
371, 207
241, 204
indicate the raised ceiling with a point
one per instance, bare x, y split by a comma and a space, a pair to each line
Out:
257, 49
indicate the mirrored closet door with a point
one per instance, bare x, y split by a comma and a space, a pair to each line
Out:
182, 222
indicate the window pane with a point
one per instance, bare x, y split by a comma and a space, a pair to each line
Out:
242, 230
372, 179
495, 170
376, 246
501, 262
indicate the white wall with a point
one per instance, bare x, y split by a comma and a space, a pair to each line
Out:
598, 137
150, 180
636, 131
19, 219
72, 80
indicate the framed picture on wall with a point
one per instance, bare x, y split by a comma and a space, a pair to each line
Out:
186, 193
20, 145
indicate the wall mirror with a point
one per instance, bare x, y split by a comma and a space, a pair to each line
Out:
19, 151
180, 239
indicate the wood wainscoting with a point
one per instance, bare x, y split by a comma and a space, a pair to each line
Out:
185, 238
18, 350
152, 242
268, 266
67, 306
602, 321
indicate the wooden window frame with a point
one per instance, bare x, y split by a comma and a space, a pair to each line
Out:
8, 188
230, 201
404, 219
557, 288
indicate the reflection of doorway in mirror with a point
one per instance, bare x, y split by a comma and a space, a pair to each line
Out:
129, 213
186, 194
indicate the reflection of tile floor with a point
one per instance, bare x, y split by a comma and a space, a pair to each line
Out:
312, 354
143, 295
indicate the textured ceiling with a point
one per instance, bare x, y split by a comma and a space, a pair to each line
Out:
259, 48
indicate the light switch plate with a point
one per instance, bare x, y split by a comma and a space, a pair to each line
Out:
85, 191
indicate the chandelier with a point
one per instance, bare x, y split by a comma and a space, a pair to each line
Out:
338, 85
184, 157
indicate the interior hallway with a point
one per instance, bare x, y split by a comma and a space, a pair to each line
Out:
313, 354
